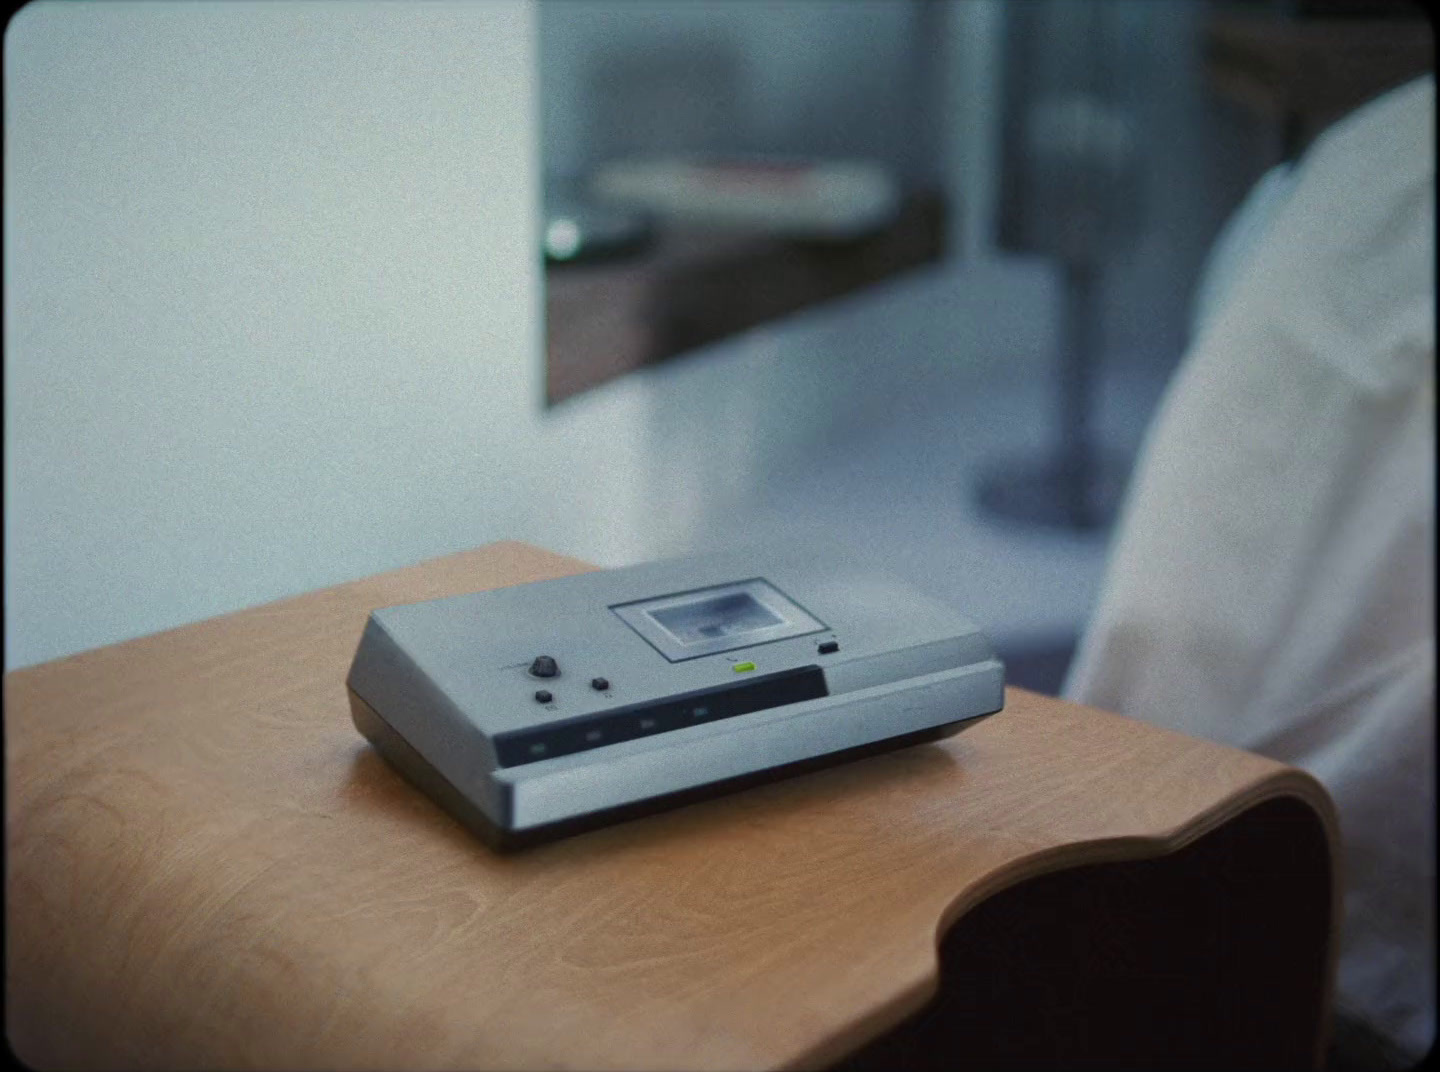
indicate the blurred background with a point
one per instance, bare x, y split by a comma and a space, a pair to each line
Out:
1054, 174
298, 292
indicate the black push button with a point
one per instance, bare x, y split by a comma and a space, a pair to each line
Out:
544, 666
828, 647
599, 684
543, 695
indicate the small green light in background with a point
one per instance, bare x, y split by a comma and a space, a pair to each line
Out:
741, 668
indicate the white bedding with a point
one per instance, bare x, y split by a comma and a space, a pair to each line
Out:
1272, 580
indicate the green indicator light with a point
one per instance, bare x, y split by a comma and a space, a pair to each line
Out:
741, 668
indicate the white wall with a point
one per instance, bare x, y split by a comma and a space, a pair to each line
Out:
270, 301
272, 321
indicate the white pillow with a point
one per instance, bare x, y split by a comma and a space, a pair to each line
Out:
1272, 577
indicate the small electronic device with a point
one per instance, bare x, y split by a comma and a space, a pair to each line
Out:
540, 710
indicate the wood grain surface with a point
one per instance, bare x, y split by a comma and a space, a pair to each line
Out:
209, 867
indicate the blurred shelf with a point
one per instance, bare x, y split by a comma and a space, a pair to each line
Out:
1306, 72
696, 285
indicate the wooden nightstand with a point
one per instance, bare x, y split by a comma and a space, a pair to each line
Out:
208, 867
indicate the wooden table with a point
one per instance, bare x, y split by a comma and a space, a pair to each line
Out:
208, 867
